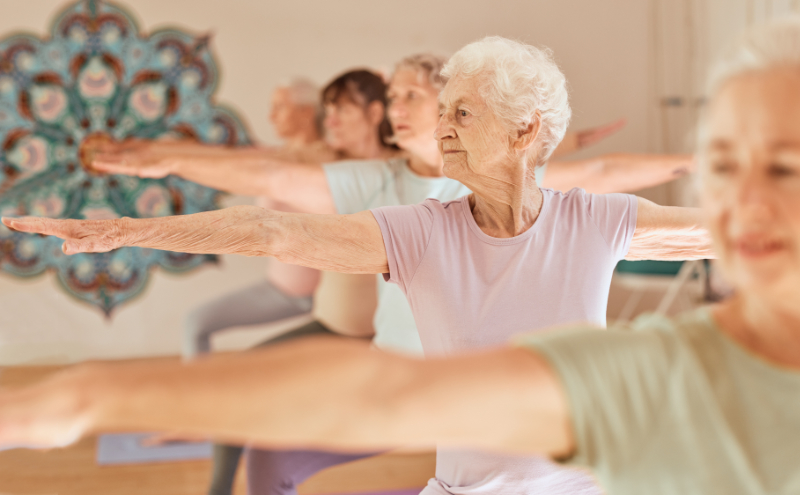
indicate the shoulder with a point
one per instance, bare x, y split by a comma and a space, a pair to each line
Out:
580, 198
651, 343
449, 210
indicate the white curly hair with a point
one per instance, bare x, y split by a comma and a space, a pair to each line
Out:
520, 80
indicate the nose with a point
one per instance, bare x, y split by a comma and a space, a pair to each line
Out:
754, 196
397, 109
444, 129
331, 120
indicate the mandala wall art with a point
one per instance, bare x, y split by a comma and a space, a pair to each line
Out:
98, 77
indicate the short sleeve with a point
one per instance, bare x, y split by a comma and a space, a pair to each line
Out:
355, 184
616, 384
615, 218
406, 231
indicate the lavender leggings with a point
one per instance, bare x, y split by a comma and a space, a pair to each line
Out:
275, 472
278, 472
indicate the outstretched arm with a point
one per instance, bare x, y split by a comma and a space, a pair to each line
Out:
343, 243
313, 393
577, 140
669, 233
619, 172
293, 178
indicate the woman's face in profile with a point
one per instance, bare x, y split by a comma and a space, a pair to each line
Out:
751, 181
413, 108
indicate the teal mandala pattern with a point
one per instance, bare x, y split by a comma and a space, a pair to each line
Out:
97, 77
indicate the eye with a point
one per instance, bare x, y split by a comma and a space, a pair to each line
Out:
463, 113
777, 170
412, 95
723, 167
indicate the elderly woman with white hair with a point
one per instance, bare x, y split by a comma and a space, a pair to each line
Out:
507, 258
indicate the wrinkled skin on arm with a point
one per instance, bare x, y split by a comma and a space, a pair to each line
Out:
669, 233
318, 393
344, 243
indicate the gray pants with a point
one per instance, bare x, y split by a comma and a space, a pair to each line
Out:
253, 305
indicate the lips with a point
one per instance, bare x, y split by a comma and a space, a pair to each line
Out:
757, 247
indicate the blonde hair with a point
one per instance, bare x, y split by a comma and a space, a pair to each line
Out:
428, 65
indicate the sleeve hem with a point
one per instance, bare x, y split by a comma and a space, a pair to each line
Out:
388, 246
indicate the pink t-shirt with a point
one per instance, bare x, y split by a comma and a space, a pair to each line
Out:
469, 291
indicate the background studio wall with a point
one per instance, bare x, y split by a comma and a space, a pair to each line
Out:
623, 58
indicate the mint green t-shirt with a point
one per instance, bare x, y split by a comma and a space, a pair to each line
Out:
675, 407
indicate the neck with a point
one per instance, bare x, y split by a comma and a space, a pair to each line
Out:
303, 138
366, 150
426, 161
765, 326
506, 207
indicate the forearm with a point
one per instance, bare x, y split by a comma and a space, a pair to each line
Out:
302, 186
306, 394
336, 393
620, 172
669, 233
345, 243
244, 230
243, 172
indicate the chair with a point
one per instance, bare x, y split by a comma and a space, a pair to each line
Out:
668, 276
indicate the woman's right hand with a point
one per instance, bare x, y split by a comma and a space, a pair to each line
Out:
136, 157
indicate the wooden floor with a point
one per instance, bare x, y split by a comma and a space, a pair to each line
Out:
73, 471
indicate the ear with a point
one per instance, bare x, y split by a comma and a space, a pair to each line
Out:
526, 137
375, 112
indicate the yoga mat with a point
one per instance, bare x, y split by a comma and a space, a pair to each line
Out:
128, 448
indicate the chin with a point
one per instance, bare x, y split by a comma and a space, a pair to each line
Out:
335, 144
765, 278
451, 170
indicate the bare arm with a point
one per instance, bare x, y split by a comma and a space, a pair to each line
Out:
296, 179
577, 140
344, 243
669, 233
621, 172
316, 393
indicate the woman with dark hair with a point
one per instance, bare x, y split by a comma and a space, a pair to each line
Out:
355, 127
364, 89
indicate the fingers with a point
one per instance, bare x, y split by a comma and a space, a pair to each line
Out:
113, 165
80, 236
36, 225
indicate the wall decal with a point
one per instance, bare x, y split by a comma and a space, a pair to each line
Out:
98, 77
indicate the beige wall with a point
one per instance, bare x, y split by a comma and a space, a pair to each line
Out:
604, 48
